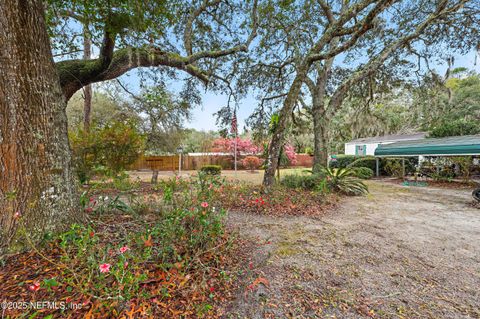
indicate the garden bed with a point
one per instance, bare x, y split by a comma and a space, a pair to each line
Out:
153, 256
149, 250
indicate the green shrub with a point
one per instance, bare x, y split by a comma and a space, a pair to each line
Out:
342, 161
121, 144
211, 169
366, 161
394, 168
309, 151
111, 148
410, 164
362, 172
308, 182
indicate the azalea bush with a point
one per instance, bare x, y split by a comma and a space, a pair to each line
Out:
251, 163
290, 153
243, 146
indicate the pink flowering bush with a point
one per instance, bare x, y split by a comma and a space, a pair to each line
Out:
251, 163
290, 153
244, 146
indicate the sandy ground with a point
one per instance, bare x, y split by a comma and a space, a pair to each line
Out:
400, 252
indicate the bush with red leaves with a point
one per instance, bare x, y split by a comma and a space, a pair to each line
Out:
251, 162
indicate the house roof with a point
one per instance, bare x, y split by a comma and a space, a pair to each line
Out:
390, 138
455, 145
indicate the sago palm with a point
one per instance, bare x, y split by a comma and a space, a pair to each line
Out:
343, 181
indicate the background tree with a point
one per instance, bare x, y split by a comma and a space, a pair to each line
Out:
383, 41
162, 116
457, 103
199, 141
192, 37
342, 24
36, 174
105, 109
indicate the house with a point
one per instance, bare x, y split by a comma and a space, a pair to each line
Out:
368, 145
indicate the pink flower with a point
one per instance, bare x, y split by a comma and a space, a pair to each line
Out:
125, 265
89, 209
212, 289
105, 268
250, 265
35, 286
204, 204
17, 215
124, 249
92, 199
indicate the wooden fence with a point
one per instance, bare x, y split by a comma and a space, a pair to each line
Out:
170, 162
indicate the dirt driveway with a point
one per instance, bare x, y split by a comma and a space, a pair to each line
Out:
398, 253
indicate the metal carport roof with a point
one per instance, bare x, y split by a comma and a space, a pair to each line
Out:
447, 146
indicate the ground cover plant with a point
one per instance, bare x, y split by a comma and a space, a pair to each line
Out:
163, 254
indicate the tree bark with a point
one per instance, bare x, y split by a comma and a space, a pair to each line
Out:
278, 136
87, 102
320, 154
36, 180
320, 122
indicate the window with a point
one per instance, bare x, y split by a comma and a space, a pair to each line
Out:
361, 150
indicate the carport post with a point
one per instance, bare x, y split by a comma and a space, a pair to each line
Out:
403, 168
377, 166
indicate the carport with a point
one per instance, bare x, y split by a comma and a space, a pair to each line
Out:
447, 146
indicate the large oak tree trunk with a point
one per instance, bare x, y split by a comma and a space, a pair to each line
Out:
319, 111
320, 127
278, 136
36, 177
320, 153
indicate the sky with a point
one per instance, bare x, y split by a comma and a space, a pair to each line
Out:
202, 115
203, 118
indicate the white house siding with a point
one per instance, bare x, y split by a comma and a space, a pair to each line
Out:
371, 147
371, 143
350, 149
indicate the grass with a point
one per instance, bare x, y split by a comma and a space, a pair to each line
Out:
244, 176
